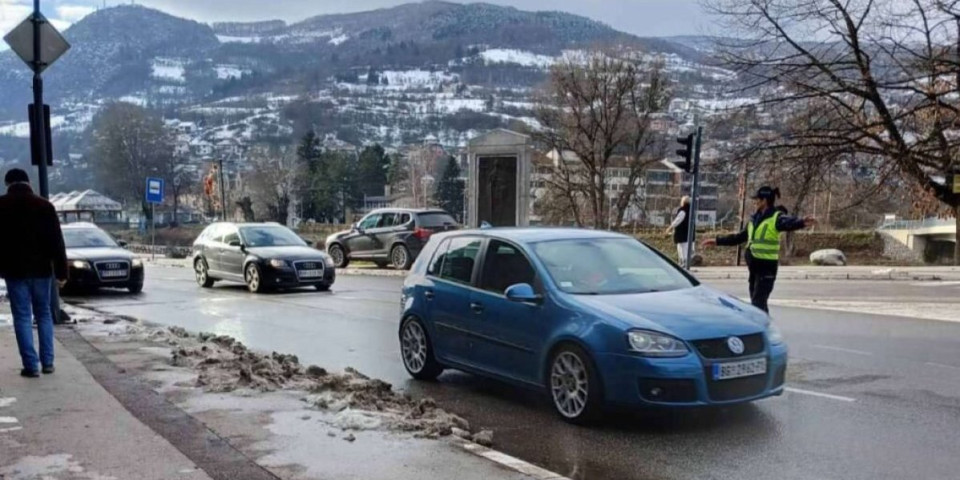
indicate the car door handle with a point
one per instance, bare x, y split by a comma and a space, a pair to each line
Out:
428, 294
476, 307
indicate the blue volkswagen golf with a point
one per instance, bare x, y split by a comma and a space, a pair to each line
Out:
592, 318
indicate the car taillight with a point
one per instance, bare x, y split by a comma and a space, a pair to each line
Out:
421, 233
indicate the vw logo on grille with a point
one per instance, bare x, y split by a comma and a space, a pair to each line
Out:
735, 345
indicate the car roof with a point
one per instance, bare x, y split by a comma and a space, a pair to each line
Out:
411, 210
534, 234
248, 224
77, 225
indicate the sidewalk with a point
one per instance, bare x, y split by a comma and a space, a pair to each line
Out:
118, 409
858, 272
66, 426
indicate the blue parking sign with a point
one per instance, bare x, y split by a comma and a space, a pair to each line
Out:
154, 190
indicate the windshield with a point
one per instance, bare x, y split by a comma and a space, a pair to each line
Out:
87, 238
275, 236
608, 266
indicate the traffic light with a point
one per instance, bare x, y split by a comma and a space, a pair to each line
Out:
686, 152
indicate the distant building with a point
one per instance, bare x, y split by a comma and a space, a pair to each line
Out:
666, 183
618, 179
87, 206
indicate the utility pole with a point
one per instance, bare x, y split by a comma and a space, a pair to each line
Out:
743, 206
40, 141
223, 196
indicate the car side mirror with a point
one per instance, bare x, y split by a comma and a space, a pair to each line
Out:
358, 229
308, 242
236, 243
523, 293
122, 243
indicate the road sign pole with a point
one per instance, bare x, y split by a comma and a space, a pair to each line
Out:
40, 132
153, 236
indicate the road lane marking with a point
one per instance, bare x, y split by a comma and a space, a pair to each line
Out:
7, 401
935, 284
844, 350
10, 429
940, 311
8, 420
510, 462
942, 365
820, 394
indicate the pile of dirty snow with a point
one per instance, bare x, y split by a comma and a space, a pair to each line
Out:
354, 401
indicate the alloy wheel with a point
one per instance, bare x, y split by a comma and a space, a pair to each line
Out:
413, 346
253, 278
336, 253
399, 257
569, 384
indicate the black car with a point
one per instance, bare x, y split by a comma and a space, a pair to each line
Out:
264, 256
389, 236
97, 260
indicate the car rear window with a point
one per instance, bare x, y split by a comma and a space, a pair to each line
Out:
434, 220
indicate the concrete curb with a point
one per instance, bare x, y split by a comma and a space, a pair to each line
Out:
703, 273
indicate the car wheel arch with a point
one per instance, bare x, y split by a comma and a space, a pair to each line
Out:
557, 344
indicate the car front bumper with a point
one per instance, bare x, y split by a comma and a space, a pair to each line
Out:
88, 278
635, 381
287, 277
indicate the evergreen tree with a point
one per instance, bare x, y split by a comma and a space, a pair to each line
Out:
373, 166
397, 175
450, 191
309, 157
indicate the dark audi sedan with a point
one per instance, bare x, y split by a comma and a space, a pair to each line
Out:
388, 237
97, 260
264, 256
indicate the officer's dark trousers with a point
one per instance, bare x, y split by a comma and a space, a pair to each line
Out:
763, 274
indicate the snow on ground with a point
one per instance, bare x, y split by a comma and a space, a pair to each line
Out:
724, 103
519, 57
172, 90
227, 72
167, 69
417, 78
230, 39
338, 39
134, 99
453, 105
22, 129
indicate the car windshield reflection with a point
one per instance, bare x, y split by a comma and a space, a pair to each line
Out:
87, 238
270, 237
608, 267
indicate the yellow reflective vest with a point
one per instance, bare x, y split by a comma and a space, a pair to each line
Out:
764, 240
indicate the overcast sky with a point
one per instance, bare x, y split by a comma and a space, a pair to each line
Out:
640, 17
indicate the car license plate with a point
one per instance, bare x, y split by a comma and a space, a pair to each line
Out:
746, 368
311, 273
113, 273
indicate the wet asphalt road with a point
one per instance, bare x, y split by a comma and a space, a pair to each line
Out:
872, 396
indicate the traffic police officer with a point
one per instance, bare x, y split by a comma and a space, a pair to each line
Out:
762, 237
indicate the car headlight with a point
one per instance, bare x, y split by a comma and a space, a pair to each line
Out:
277, 263
136, 263
774, 335
81, 264
654, 344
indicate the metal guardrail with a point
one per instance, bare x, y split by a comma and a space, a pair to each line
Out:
181, 252
917, 224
